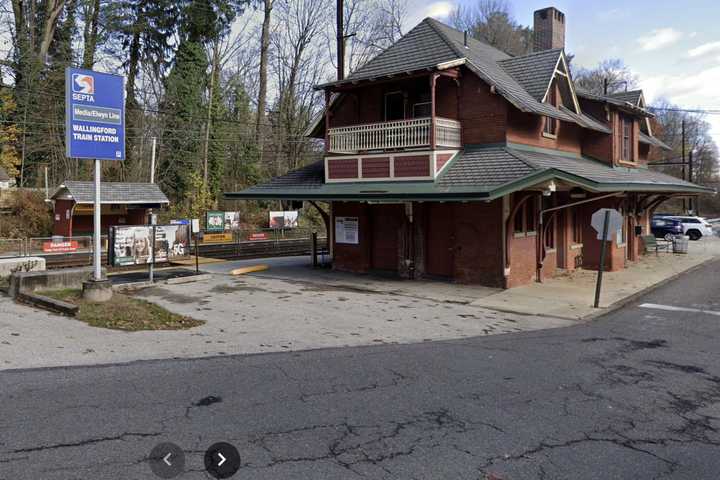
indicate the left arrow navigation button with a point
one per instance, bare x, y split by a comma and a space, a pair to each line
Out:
167, 460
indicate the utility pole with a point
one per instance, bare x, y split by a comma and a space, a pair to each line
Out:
213, 74
152, 160
691, 201
340, 40
683, 161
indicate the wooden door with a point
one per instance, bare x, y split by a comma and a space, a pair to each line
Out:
386, 222
440, 240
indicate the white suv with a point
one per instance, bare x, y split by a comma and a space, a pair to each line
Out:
695, 227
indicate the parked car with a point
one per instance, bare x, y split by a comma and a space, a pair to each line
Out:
695, 227
666, 227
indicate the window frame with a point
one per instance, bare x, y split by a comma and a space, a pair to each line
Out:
627, 131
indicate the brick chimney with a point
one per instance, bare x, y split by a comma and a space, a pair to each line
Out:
549, 29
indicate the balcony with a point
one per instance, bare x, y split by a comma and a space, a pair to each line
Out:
395, 135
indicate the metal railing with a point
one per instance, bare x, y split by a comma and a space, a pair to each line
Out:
392, 135
447, 133
12, 247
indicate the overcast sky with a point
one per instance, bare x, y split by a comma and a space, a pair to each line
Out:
673, 47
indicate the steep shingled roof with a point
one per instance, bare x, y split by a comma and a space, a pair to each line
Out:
534, 71
112, 192
432, 43
633, 96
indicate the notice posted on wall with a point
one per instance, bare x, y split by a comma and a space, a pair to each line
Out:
346, 230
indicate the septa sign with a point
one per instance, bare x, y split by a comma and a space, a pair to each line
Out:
94, 115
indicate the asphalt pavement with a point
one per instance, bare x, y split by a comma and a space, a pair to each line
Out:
631, 395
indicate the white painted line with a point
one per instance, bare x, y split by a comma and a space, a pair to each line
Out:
671, 308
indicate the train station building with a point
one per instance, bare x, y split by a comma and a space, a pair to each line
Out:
121, 204
447, 158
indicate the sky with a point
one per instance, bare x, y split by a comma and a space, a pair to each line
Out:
672, 46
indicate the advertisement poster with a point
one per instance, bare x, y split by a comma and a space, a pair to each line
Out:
287, 219
346, 230
215, 222
133, 245
232, 220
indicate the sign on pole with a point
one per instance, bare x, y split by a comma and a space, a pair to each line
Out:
604, 221
94, 115
94, 129
615, 223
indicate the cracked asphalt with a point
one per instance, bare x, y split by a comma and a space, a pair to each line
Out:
632, 395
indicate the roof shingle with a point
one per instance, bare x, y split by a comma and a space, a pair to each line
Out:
112, 192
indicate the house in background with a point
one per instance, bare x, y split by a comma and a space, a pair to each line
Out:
446, 157
5, 181
121, 204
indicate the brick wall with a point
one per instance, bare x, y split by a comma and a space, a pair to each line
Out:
527, 129
446, 98
352, 258
478, 236
483, 114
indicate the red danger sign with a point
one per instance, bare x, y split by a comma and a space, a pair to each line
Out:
60, 247
258, 236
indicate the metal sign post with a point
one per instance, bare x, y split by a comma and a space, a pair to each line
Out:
97, 252
603, 221
601, 267
95, 129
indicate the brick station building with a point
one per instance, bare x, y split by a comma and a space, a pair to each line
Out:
448, 158
121, 204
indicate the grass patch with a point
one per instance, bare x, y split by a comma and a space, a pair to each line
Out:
123, 312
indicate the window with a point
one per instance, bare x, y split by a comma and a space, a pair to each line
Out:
524, 221
626, 150
550, 124
394, 106
550, 127
550, 235
576, 226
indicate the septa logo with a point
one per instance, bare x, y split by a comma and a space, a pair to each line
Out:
83, 84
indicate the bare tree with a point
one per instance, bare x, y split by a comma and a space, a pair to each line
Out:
619, 77
492, 22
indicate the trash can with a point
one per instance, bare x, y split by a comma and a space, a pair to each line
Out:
680, 243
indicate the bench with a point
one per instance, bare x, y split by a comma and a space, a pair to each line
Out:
651, 243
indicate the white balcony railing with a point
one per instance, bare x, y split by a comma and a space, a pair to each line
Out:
394, 135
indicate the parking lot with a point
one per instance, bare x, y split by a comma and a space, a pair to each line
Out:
264, 312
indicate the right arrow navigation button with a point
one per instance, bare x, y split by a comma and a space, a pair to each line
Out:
222, 460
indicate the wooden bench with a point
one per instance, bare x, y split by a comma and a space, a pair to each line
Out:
651, 243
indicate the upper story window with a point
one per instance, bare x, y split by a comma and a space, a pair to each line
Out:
626, 143
394, 106
550, 124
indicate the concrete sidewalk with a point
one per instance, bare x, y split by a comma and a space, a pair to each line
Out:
571, 296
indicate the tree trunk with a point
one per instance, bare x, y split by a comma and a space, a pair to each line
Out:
90, 34
53, 9
262, 90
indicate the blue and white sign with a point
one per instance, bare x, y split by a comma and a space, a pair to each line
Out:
94, 115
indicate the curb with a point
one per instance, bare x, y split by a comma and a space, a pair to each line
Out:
632, 298
47, 303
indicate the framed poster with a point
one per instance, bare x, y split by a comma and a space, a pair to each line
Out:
133, 245
287, 219
347, 230
215, 222
232, 220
